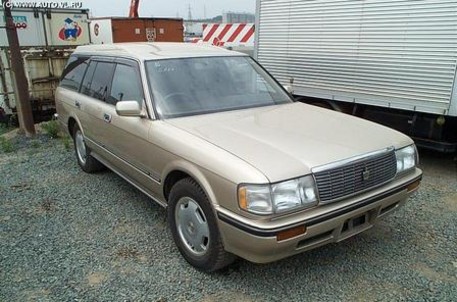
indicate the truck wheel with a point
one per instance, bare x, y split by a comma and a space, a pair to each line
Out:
194, 227
87, 163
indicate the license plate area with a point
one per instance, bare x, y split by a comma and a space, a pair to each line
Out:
355, 225
355, 222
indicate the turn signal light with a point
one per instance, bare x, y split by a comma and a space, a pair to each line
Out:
290, 233
413, 186
242, 199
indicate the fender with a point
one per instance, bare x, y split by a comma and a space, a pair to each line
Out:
72, 115
194, 172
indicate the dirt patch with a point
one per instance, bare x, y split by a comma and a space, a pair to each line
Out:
433, 275
228, 296
131, 253
450, 202
96, 278
47, 206
128, 252
37, 294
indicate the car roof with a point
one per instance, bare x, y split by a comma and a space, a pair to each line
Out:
156, 50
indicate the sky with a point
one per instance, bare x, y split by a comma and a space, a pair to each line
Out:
169, 8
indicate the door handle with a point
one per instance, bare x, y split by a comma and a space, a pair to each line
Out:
78, 104
107, 117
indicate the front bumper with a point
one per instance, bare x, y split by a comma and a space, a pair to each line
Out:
261, 245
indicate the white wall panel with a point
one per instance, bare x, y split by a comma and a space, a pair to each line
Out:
394, 53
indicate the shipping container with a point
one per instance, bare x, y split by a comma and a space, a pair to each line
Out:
43, 68
48, 28
393, 62
47, 38
117, 30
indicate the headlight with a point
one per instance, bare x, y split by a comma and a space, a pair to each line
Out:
255, 199
277, 198
406, 158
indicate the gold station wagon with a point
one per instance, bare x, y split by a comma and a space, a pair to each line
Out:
242, 168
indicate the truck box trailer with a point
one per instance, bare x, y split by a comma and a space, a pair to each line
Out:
47, 37
393, 62
118, 29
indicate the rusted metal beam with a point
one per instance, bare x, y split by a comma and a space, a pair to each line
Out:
23, 105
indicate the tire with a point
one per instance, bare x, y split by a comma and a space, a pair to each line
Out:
189, 211
87, 163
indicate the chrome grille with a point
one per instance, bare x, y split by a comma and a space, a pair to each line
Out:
356, 176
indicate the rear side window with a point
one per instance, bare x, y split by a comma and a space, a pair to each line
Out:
74, 72
99, 85
126, 85
85, 88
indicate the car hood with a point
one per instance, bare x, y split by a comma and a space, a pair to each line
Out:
287, 141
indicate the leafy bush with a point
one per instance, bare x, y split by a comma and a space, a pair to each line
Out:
51, 128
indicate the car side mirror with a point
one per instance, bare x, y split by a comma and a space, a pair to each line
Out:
129, 108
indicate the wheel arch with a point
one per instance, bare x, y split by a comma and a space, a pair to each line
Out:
177, 171
72, 121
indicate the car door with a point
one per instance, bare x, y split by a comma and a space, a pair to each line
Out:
94, 92
126, 137
68, 98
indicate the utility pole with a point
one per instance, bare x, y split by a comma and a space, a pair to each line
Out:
189, 16
24, 109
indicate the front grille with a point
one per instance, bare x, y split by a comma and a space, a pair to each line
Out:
355, 177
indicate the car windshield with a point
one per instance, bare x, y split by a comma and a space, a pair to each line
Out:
191, 86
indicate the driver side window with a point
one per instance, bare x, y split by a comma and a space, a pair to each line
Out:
126, 85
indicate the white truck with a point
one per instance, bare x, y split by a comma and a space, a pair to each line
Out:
393, 62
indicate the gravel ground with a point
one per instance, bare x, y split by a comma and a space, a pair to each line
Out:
70, 236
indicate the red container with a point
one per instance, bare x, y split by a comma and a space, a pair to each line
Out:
117, 30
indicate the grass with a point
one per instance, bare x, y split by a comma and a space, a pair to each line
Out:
35, 144
4, 129
51, 128
6, 145
67, 143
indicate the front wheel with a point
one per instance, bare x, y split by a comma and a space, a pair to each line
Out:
194, 227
